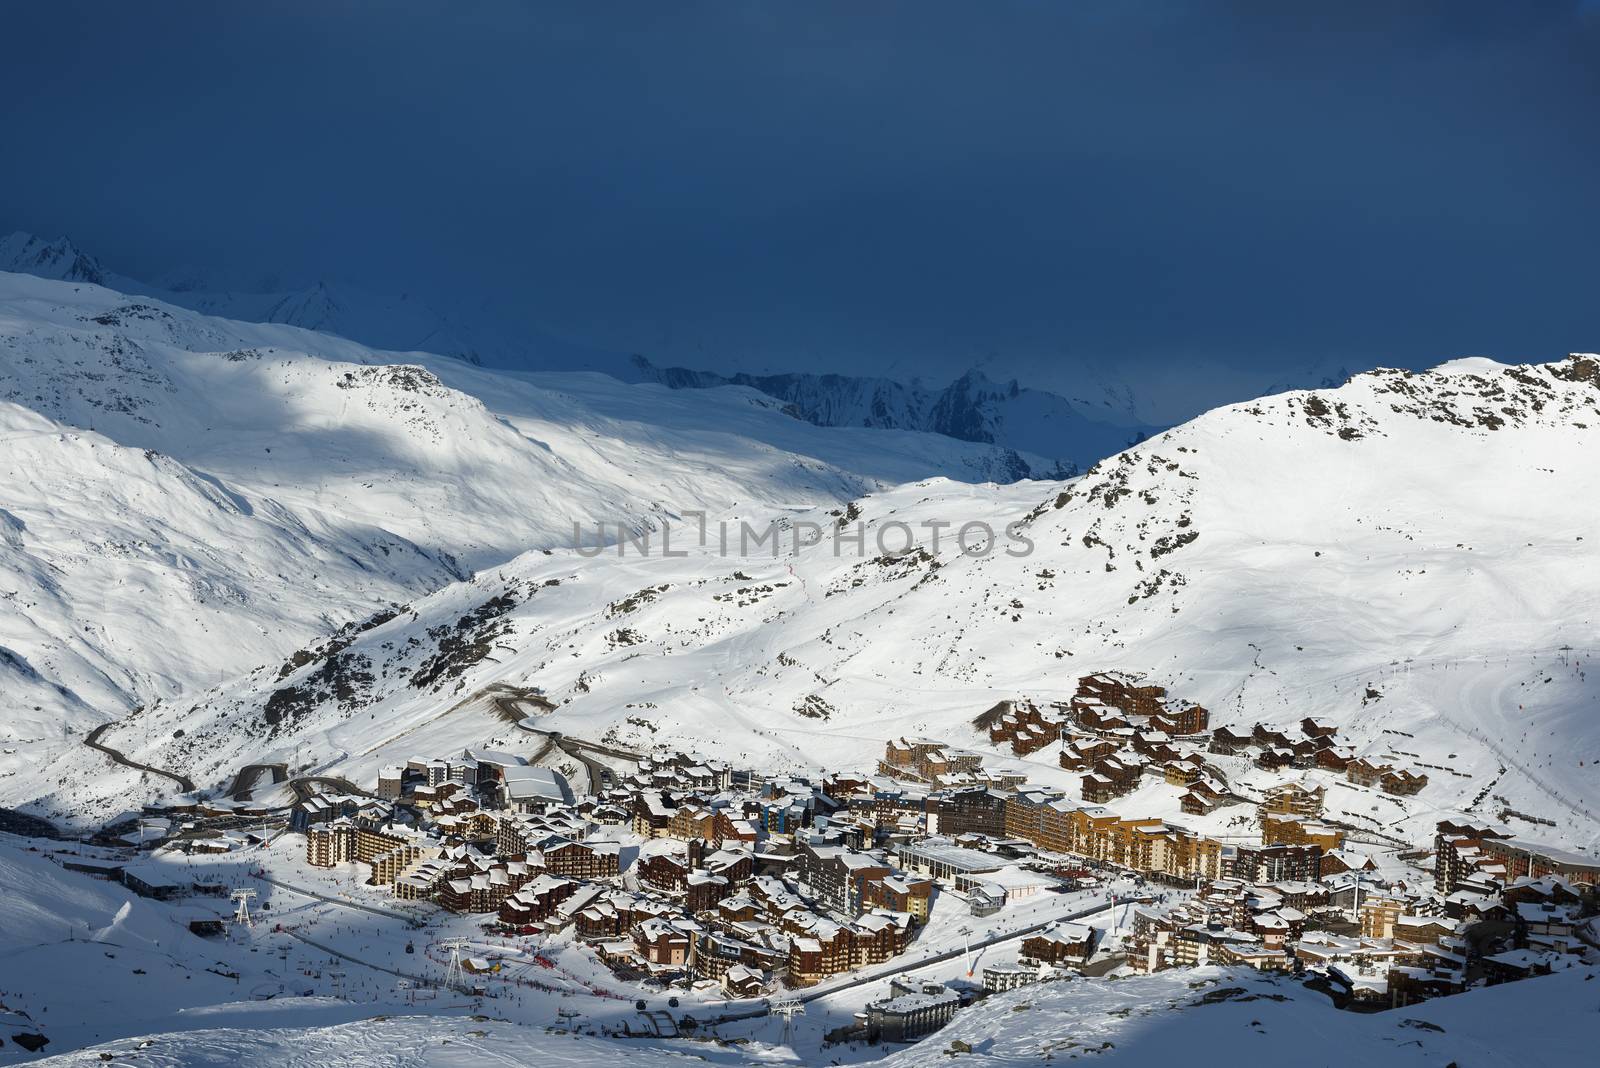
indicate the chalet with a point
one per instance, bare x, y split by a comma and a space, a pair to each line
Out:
703, 891
1185, 772
923, 760
1182, 718
1401, 782
661, 943
1272, 863
1302, 800
1229, 741
1025, 726
1380, 913
1286, 830
1099, 719
598, 919
1275, 758
1155, 745
738, 866
1536, 860
1200, 799
741, 908
1060, 943
325, 808
1084, 752
652, 814
1339, 861
1386, 777
1318, 728
1122, 691
664, 871
1516, 964
690, 821
582, 860
900, 893
740, 981
1548, 889
1422, 930
1334, 757
535, 902
715, 952
1113, 777
1284, 746
969, 810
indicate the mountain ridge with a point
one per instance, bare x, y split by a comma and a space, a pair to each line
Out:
972, 408
1272, 560
187, 495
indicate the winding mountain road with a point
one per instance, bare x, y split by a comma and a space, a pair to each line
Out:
247, 778
92, 740
509, 705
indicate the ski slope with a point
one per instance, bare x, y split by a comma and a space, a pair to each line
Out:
187, 497
1273, 560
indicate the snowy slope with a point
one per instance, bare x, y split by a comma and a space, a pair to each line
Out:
187, 497
471, 462
128, 576
379, 1042
1215, 1017
1065, 432
399, 323
1203, 1017
1423, 536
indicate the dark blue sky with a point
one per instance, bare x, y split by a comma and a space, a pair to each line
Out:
851, 186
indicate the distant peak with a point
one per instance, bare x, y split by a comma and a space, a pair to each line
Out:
60, 259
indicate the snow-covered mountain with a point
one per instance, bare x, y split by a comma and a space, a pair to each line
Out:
972, 408
395, 322
1069, 433
224, 544
126, 575
1410, 556
187, 497
476, 463
60, 259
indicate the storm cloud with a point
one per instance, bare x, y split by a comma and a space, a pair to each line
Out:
906, 188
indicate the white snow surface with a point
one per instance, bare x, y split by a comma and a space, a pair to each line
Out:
1426, 537
245, 544
187, 497
1135, 1022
